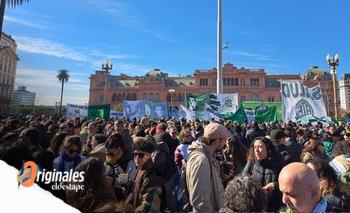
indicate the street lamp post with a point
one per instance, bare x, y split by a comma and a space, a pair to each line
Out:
333, 62
106, 66
171, 92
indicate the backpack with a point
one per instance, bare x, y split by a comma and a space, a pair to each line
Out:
345, 177
177, 195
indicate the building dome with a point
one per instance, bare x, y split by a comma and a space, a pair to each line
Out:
155, 74
315, 73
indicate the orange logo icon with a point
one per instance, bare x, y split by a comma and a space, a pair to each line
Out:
27, 174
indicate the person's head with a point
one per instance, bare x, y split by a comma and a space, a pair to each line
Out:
326, 174
119, 126
71, 146
332, 129
215, 136
143, 150
109, 128
172, 131
115, 148
347, 137
132, 127
186, 135
197, 123
300, 133
56, 142
300, 187
139, 131
244, 194
96, 190
340, 148
92, 128
314, 145
44, 118
30, 137
97, 139
278, 136
159, 112
161, 127
255, 125
261, 148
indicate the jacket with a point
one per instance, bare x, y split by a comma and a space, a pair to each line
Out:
164, 155
267, 171
203, 179
99, 152
294, 150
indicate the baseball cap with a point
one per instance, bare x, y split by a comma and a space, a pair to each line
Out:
216, 131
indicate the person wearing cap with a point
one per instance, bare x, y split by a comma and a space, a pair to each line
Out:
278, 138
146, 178
203, 171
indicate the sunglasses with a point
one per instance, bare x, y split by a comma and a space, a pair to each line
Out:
139, 154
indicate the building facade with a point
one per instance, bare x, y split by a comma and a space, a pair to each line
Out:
250, 84
21, 96
8, 65
344, 92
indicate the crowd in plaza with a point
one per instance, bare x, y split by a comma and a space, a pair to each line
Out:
174, 165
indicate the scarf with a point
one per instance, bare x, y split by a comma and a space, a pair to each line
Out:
65, 158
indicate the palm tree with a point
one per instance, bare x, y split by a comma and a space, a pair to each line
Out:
12, 3
63, 76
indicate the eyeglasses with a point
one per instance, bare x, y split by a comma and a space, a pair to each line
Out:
139, 154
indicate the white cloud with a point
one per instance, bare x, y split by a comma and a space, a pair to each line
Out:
23, 22
46, 47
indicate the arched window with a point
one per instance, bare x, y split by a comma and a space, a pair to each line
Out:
200, 82
236, 81
128, 97
232, 82
123, 97
119, 97
206, 82
133, 97
157, 97
150, 97
179, 97
114, 97
255, 97
224, 82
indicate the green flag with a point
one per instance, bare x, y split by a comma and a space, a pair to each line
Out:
238, 116
102, 111
266, 114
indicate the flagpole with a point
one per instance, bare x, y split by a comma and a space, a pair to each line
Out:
219, 86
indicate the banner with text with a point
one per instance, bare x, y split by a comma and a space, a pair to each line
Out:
74, 111
136, 109
299, 101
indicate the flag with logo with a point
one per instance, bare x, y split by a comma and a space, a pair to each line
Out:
74, 111
299, 101
266, 114
185, 113
137, 109
101, 111
219, 103
238, 116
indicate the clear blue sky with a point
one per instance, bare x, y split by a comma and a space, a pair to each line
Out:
177, 36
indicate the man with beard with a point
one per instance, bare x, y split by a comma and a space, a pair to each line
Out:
203, 171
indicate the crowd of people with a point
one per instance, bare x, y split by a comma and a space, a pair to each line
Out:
172, 165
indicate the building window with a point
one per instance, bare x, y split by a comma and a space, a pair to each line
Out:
157, 97
206, 82
271, 99
200, 82
224, 82
232, 81
236, 81
255, 97
254, 82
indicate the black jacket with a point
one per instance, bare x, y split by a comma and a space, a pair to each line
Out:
254, 133
267, 171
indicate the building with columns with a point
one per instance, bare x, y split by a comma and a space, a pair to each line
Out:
344, 92
250, 84
8, 64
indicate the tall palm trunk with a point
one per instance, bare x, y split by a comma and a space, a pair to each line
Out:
61, 97
2, 13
